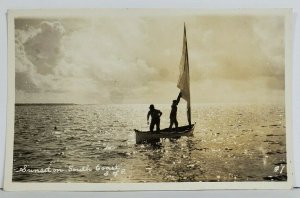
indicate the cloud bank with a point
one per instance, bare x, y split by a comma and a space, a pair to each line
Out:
135, 59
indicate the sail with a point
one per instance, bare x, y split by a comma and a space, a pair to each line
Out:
184, 76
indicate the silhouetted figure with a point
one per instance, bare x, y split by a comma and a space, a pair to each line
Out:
173, 114
155, 118
55, 128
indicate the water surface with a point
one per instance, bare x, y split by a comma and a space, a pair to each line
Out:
96, 143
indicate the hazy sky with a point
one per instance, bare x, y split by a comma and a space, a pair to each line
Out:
136, 59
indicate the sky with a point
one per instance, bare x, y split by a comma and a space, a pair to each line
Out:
135, 59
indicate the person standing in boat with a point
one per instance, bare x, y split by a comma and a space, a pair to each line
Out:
173, 114
155, 118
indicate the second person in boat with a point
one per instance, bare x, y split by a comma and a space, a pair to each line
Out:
155, 118
173, 114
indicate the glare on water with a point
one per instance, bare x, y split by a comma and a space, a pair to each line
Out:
96, 143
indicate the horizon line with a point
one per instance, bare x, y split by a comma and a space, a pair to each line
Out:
62, 103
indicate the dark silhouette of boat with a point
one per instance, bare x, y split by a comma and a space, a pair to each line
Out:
152, 137
184, 86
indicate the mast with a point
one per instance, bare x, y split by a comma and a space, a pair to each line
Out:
184, 76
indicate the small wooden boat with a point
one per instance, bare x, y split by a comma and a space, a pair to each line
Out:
152, 137
184, 85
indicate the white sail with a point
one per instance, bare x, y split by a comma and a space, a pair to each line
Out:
184, 77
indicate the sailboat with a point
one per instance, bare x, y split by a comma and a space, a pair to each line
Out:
184, 86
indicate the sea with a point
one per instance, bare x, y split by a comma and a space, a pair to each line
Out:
96, 144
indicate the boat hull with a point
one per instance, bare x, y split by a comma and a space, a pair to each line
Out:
151, 137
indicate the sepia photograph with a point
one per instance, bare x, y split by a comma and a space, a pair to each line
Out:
130, 96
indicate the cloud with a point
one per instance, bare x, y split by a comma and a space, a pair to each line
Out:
37, 50
43, 48
110, 60
86, 61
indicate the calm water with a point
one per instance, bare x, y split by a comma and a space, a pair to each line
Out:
96, 143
